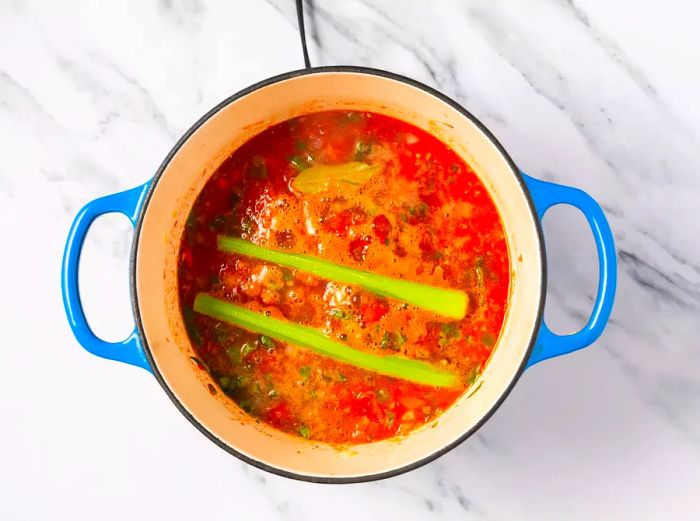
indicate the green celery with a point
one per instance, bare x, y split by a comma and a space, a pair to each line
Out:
450, 303
282, 330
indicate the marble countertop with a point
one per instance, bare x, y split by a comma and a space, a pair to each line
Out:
600, 95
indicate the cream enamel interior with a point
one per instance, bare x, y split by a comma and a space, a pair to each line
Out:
174, 195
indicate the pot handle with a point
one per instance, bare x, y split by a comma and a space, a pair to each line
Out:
129, 350
544, 196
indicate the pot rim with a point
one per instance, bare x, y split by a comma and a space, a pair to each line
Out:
134, 252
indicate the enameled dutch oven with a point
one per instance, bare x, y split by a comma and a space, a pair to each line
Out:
158, 210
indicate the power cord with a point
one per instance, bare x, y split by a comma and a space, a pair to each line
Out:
302, 33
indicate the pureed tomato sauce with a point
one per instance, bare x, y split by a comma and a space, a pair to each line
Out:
424, 217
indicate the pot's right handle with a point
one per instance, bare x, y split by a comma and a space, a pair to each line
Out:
544, 196
129, 350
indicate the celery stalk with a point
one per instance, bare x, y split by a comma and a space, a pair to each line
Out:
302, 336
450, 303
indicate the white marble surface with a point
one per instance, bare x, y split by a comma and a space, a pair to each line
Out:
601, 95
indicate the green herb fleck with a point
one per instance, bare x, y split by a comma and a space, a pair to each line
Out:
338, 313
305, 372
382, 395
362, 149
390, 341
400, 339
449, 331
342, 377
267, 342
299, 163
234, 354
225, 382
304, 432
386, 342
420, 210
248, 348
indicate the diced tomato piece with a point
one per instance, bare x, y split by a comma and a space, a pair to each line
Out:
278, 415
358, 247
374, 311
381, 227
432, 198
340, 222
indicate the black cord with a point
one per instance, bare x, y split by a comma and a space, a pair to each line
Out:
302, 33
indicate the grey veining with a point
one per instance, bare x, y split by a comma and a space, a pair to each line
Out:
599, 95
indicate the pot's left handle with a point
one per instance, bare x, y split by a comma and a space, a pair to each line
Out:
545, 195
129, 350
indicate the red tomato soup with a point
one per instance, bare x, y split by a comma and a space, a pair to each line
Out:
381, 196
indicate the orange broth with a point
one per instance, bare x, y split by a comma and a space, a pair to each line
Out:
425, 217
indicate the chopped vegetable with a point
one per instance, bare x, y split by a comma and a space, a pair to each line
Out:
267, 342
386, 342
299, 163
404, 368
234, 354
382, 395
305, 372
248, 348
362, 149
448, 333
400, 339
338, 313
318, 178
304, 432
447, 302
